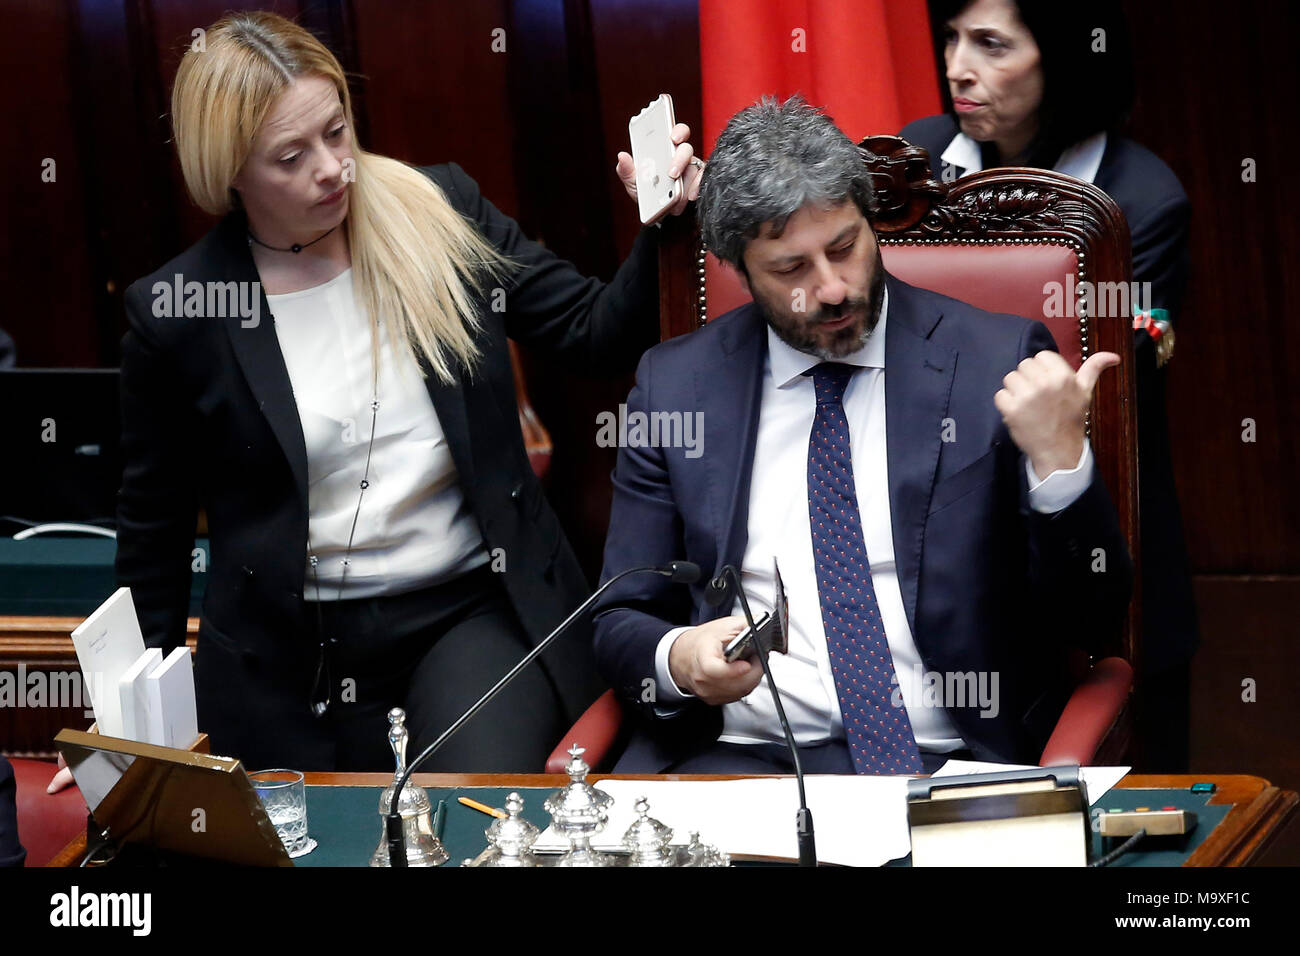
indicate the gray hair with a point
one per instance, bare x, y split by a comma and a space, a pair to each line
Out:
772, 160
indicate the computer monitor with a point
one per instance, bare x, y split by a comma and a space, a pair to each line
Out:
60, 431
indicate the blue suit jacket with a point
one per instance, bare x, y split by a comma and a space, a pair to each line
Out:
987, 583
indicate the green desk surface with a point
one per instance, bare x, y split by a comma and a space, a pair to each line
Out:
345, 823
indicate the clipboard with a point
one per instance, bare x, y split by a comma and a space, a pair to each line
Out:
176, 801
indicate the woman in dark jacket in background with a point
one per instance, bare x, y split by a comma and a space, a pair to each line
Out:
1048, 84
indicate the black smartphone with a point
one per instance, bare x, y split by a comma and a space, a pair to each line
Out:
742, 648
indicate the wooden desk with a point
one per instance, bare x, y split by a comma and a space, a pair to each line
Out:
1258, 808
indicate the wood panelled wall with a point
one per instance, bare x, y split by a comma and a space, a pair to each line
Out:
538, 126
1215, 90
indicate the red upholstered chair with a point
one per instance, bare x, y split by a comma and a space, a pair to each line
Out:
46, 822
994, 239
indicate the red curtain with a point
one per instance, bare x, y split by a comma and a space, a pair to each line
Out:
868, 63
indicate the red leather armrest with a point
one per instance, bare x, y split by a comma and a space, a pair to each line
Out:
595, 731
1092, 709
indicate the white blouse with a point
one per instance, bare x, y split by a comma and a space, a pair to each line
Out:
414, 527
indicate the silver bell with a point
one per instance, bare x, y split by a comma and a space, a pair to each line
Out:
423, 848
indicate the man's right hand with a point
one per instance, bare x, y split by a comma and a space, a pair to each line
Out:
697, 666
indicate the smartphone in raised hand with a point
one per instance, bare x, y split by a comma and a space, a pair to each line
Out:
651, 135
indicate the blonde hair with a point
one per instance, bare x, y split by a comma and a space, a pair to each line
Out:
416, 263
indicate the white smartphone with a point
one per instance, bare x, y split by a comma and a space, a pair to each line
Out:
651, 135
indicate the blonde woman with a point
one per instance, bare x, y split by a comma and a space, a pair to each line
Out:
326, 373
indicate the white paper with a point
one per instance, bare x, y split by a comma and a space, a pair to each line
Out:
858, 819
173, 721
107, 643
135, 695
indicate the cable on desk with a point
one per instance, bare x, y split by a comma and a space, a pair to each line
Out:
1119, 851
103, 841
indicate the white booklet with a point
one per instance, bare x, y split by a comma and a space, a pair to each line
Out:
107, 644
173, 720
135, 695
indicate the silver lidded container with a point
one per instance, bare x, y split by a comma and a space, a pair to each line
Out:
647, 841
580, 811
510, 838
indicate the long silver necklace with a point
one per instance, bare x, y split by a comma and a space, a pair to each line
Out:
320, 705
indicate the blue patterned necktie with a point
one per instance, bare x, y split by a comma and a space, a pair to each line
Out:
879, 735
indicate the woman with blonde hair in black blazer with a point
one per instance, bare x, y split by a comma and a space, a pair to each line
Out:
327, 374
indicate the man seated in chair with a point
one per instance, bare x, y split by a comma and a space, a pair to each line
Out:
918, 468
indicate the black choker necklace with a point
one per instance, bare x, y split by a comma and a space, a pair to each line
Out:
296, 247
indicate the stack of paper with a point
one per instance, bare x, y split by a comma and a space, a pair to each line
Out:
172, 718
107, 644
136, 693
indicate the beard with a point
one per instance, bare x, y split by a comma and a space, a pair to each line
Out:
805, 333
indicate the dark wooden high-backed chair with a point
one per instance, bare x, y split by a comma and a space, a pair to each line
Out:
995, 239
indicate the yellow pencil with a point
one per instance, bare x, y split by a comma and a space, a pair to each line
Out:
482, 807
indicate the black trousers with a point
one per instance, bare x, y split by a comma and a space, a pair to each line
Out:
434, 652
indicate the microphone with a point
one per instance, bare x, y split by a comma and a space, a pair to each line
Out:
718, 590
677, 572
715, 594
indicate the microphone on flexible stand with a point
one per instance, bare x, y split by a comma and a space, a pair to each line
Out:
678, 572
714, 595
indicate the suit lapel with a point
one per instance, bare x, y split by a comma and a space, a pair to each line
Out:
729, 391
918, 383
257, 349
453, 416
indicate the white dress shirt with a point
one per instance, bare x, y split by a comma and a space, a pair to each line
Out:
779, 528
414, 527
1082, 160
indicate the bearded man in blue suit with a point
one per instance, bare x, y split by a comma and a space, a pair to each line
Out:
917, 467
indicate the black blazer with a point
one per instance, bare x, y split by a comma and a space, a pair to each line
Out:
1159, 216
989, 585
209, 418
